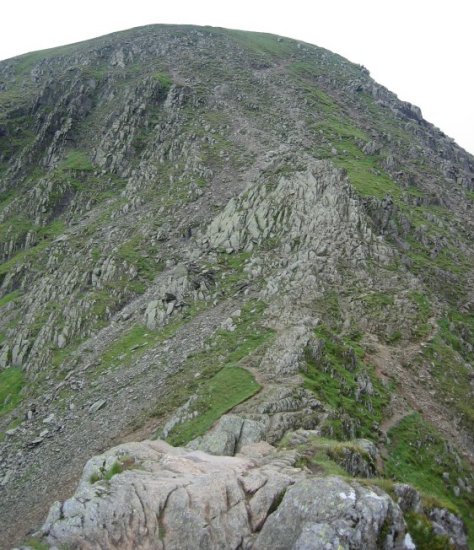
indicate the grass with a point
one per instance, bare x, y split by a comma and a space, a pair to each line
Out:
119, 466
229, 387
336, 384
423, 312
374, 301
230, 270
45, 234
447, 354
15, 228
224, 352
329, 307
131, 252
327, 456
77, 161
164, 79
418, 455
11, 383
37, 544
130, 345
422, 533
10, 297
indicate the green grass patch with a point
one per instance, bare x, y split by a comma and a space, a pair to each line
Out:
46, 234
334, 378
418, 455
11, 384
365, 175
78, 161
230, 270
423, 312
133, 252
229, 387
326, 456
119, 466
223, 350
376, 300
422, 533
15, 228
9, 297
37, 544
448, 355
164, 79
130, 345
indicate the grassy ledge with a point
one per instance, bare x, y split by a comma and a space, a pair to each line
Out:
229, 387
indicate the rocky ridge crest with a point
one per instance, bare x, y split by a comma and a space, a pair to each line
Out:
270, 233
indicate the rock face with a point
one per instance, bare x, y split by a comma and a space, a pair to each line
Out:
225, 239
166, 497
329, 514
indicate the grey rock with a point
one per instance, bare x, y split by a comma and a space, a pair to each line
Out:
447, 524
229, 435
182, 499
372, 148
329, 513
408, 498
97, 405
148, 505
49, 419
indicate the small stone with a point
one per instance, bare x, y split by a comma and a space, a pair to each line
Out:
48, 419
228, 325
44, 433
11, 432
6, 477
97, 405
62, 342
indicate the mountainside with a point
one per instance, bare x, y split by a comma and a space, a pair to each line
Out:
243, 245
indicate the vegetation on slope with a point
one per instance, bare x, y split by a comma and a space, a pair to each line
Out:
418, 455
337, 374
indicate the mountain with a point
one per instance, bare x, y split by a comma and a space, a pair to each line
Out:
242, 245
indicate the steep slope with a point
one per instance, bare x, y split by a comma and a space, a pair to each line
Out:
197, 220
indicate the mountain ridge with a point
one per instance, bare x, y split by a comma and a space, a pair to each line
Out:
296, 221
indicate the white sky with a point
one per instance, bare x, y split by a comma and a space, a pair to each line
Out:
420, 49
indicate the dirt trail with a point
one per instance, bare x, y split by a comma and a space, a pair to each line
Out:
415, 390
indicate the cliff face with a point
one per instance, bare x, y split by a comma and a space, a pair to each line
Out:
197, 220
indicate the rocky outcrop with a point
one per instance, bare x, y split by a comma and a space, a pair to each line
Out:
151, 495
321, 514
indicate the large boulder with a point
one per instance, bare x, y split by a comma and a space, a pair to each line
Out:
151, 495
329, 513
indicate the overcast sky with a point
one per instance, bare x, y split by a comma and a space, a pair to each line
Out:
420, 49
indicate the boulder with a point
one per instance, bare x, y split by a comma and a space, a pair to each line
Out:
152, 495
329, 513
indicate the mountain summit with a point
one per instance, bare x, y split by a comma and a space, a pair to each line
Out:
247, 268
